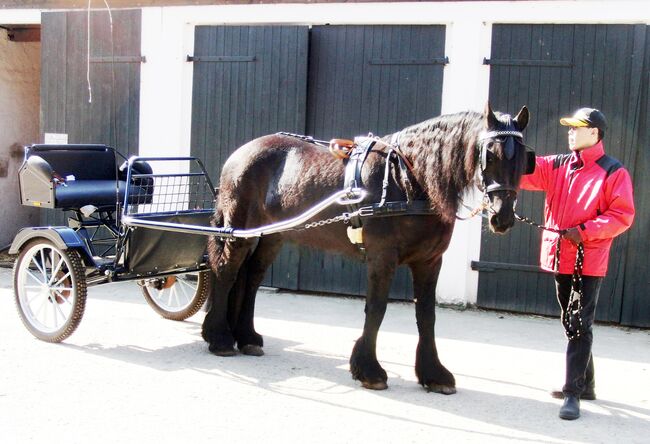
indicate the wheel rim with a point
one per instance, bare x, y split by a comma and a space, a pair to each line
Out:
46, 288
178, 296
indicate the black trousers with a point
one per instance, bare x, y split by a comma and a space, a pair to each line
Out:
579, 361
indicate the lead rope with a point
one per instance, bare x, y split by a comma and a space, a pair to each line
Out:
571, 318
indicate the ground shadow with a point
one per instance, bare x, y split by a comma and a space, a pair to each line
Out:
286, 362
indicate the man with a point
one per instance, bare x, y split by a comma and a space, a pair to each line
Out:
589, 202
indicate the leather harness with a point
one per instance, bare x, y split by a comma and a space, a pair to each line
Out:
353, 179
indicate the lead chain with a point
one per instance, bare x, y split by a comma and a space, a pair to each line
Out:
572, 319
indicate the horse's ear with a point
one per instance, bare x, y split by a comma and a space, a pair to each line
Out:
491, 120
521, 120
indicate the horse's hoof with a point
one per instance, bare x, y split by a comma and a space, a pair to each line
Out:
440, 388
381, 385
252, 350
224, 352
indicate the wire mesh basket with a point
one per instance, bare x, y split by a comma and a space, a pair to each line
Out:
156, 191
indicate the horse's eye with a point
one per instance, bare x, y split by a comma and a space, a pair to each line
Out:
489, 145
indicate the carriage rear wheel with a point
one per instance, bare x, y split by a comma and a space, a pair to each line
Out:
178, 297
50, 290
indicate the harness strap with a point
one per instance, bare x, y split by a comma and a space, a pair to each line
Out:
304, 138
352, 178
397, 208
384, 186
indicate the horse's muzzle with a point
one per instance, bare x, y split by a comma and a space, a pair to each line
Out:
502, 206
500, 223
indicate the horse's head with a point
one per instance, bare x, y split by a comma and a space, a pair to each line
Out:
503, 159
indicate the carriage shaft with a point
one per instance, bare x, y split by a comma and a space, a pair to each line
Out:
343, 197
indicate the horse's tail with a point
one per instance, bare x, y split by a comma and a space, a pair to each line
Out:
215, 244
237, 293
215, 248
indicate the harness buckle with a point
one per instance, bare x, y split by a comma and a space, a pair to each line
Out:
366, 211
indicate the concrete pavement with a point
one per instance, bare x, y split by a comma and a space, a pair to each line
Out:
126, 375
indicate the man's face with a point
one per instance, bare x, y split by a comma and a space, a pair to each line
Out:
582, 137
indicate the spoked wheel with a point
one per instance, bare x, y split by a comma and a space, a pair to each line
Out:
177, 297
50, 290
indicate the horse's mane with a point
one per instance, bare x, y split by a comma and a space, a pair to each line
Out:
442, 151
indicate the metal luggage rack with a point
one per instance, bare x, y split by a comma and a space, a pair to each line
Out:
158, 194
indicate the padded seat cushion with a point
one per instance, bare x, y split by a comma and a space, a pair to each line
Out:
100, 193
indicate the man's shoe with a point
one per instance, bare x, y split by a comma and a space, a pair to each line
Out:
587, 395
571, 408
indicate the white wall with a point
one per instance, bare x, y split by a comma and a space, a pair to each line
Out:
168, 33
20, 65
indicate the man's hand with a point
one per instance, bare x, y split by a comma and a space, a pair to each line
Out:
573, 234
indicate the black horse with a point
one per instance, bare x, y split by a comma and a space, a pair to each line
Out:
279, 176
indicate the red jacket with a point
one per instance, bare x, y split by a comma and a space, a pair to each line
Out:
595, 196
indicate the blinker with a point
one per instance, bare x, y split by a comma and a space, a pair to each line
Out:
530, 161
509, 143
509, 149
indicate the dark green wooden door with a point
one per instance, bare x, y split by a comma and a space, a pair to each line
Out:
363, 79
636, 293
555, 69
108, 114
248, 81
254, 80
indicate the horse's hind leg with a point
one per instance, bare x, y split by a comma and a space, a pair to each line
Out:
248, 340
430, 372
226, 260
363, 361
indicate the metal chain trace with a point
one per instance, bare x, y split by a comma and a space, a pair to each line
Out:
342, 217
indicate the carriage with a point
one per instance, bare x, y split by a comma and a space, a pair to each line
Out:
143, 219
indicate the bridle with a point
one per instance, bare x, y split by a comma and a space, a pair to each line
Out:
510, 136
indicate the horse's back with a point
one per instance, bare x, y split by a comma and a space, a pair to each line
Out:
275, 176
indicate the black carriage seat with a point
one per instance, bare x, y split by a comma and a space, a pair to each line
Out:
72, 176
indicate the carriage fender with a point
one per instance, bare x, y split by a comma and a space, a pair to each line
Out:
62, 237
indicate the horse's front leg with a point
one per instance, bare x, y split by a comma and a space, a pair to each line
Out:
430, 372
363, 361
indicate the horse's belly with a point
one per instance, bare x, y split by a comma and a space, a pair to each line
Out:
331, 238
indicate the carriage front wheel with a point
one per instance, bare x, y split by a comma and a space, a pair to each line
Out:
50, 290
177, 297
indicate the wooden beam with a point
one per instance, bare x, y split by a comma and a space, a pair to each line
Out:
117, 4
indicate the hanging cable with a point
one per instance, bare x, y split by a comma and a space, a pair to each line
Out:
113, 110
118, 208
90, 91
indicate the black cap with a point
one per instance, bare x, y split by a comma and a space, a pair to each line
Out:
586, 117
